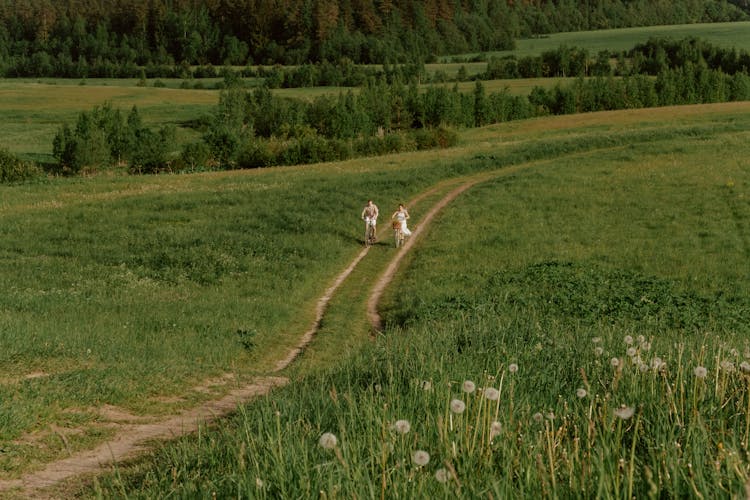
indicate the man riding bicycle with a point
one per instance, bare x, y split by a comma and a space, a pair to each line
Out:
370, 216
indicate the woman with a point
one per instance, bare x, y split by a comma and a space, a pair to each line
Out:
401, 215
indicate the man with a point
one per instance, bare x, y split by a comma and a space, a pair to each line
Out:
370, 216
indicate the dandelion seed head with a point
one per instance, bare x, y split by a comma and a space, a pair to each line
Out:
646, 346
495, 429
734, 353
401, 426
700, 372
426, 385
628, 339
468, 386
328, 441
491, 393
441, 476
632, 351
258, 482
643, 367
550, 416
641, 339
598, 351
581, 393
624, 412
538, 417
420, 458
727, 366
513, 368
596, 340
745, 367
614, 362
458, 406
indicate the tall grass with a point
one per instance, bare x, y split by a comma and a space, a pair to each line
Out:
574, 328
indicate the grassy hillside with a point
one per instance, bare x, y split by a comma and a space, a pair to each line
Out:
593, 284
725, 35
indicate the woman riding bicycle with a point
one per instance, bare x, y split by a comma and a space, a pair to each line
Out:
402, 215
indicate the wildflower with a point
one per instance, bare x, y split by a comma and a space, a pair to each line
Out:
643, 367
596, 340
657, 363
441, 476
328, 441
513, 368
491, 393
745, 367
402, 426
646, 346
614, 362
624, 412
700, 372
581, 393
420, 458
641, 339
457, 406
468, 386
628, 339
734, 353
727, 366
258, 482
631, 351
598, 351
538, 417
495, 428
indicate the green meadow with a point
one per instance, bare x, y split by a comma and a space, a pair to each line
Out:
725, 35
575, 324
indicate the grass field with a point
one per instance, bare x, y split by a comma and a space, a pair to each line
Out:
592, 228
725, 35
596, 284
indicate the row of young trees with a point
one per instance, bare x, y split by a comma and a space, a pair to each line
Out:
255, 128
80, 38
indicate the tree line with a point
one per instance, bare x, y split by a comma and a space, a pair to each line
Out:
119, 38
255, 128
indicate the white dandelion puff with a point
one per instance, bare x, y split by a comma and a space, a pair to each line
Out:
420, 458
402, 426
641, 339
491, 393
727, 366
458, 406
538, 417
624, 412
745, 367
513, 368
598, 351
441, 476
614, 362
581, 393
328, 441
495, 428
596, 340
700, 372
468, 386
632, 351
628, 339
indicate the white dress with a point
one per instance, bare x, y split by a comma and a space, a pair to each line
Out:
401, 217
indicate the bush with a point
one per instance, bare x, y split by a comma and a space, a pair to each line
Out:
13, 169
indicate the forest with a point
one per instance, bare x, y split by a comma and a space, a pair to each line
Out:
119, 38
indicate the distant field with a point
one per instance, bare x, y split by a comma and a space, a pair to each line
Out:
727, 35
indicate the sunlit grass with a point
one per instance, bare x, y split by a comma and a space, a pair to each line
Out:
574, 326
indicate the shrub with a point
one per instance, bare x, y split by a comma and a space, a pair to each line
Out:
13, 169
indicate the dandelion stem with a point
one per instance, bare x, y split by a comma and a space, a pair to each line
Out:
632, 455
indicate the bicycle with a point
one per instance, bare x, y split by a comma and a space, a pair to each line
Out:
398, 233
370, 236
